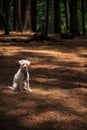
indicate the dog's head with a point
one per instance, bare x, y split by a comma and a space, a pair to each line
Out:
24, 64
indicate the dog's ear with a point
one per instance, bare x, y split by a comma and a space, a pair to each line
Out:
28, 62
20, 62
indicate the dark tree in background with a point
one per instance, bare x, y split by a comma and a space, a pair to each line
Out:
73, 17
6, 30
67, 15
14, 15
83, 16
4, 16
47, 17
17, 22
57, 22
33, 15
27, 16
6, 12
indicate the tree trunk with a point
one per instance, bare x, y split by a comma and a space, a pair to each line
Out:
14, 15
57, 24
4, 24
1, 6
47, 17
6, 5
17, 22
26, 17
5, 17
66, 4
73, 17
33, 15
83, 16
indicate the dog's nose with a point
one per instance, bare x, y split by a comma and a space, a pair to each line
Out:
25, 66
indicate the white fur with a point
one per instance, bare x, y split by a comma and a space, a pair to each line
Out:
21, 78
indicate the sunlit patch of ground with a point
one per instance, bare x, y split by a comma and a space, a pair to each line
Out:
58, 79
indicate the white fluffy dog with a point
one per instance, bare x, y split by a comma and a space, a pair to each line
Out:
21, 78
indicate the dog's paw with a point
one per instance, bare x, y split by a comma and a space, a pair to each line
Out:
29, 90
25, 89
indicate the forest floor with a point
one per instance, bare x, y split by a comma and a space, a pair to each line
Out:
58, 78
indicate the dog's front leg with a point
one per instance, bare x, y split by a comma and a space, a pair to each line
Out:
15, 86
20, 86
28, 86
27, 83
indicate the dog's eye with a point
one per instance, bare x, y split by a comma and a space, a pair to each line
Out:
23, 64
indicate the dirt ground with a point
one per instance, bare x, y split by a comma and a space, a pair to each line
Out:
58, 78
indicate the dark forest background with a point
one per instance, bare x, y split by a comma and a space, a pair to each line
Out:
46, 16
